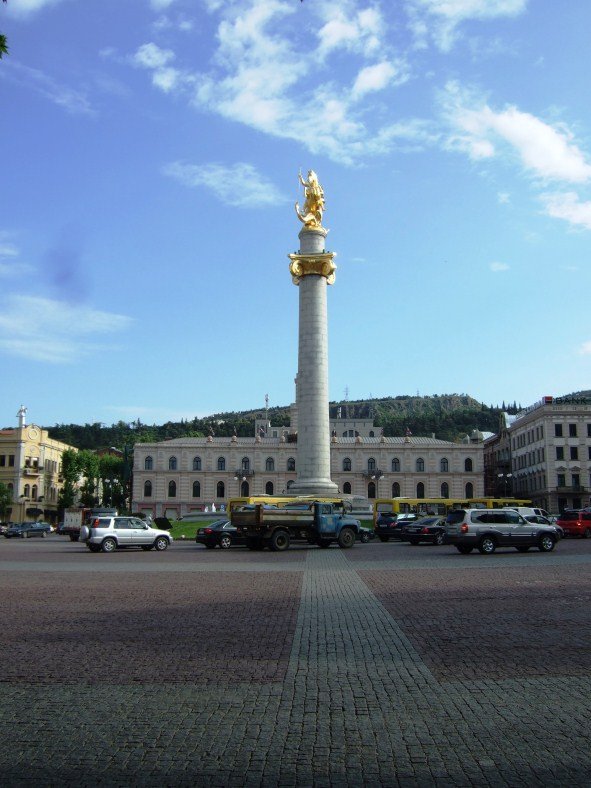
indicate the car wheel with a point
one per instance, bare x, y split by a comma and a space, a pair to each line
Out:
346, 538
364, 538
279, 541
464, 549
414, 542
109, 545
225, 542
439, 539
161, 543
546, 543
487, 545
384, 538
523, 548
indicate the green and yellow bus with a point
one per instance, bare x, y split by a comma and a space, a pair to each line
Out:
440, 506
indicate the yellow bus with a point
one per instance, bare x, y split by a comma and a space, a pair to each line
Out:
440, 506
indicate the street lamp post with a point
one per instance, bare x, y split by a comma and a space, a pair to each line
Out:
376, 476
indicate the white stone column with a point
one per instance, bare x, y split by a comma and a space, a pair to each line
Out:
312, 269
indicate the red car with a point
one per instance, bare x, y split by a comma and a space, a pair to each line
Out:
576, 522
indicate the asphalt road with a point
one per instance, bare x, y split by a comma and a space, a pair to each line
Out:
382, 665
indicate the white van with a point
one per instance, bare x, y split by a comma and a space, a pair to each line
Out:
529, 510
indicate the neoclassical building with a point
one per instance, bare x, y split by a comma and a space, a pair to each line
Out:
183, 475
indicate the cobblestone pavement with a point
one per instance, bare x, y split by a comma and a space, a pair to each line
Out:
385, 665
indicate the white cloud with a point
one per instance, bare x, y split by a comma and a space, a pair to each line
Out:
345, 28
441, 18
72, 100
67, 332
568, 206
25, 7
160, 5
150, 56
240, 185
496, 267
377, 77
585, 348
546, 151
504, 198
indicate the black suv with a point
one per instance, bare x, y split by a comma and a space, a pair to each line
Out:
389, 527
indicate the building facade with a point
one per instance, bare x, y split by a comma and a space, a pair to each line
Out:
175, 477
30, 466
550, 453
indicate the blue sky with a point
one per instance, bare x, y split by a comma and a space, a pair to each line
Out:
150, 155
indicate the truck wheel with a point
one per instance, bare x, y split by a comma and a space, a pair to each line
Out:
546, 543
279, 541
487, 545
109, 545
346, 538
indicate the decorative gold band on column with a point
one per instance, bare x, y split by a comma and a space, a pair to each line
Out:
319, 264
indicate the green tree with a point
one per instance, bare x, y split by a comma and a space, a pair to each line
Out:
89, 468
3, 44
5, 500
70, 473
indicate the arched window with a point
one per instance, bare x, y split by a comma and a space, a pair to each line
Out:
172, 489
148, 464
196, 463
196, 490
34, 492
245, 489
396, 490
371, 434
221, 463
221, 490
290, 483
347, 464
371, 490
371, 464
395, 465
347, 488
270, 466
468, 464
245, 464
445, 490
147, 489
172, 463
420, 490
444, 465
269, 488
291, 464
27, 491
469, 490
420, 465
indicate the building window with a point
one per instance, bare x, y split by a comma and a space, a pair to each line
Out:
420, 490
444, 465
395, 465
572, 430
245, 464
245, 489
347, 464
347, 488
270, 466
269, 488
445, 490
561, 480
371, 434
558, 430
371, 490
469, 490
172, 463
34, 492
468, 465
196, 489
396, 490
221, 489
148, 489
291, 464
27, 491
196, 463
371, 464
420, 465
560, 452
574, 453
576, 480
589, 452
11, 460
2, 460
589, 430
221, 464
172, 489
148, 464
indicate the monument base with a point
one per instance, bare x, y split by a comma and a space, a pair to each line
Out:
323, 488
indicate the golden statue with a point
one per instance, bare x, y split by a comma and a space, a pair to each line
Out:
311, 215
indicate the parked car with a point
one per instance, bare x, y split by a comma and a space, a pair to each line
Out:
389, 526
365, 535
427, 529
576, 522
541, 520
107, 534
220, 533
487, 529
25, 530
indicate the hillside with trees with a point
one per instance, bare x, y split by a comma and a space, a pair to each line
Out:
448, 416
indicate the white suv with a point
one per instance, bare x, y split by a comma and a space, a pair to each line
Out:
487, 529
110, 533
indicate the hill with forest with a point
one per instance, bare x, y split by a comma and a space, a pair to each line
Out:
447, 416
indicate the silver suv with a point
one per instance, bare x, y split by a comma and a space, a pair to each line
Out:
110, 533
487, 529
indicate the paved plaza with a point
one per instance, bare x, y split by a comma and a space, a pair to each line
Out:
383, 665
